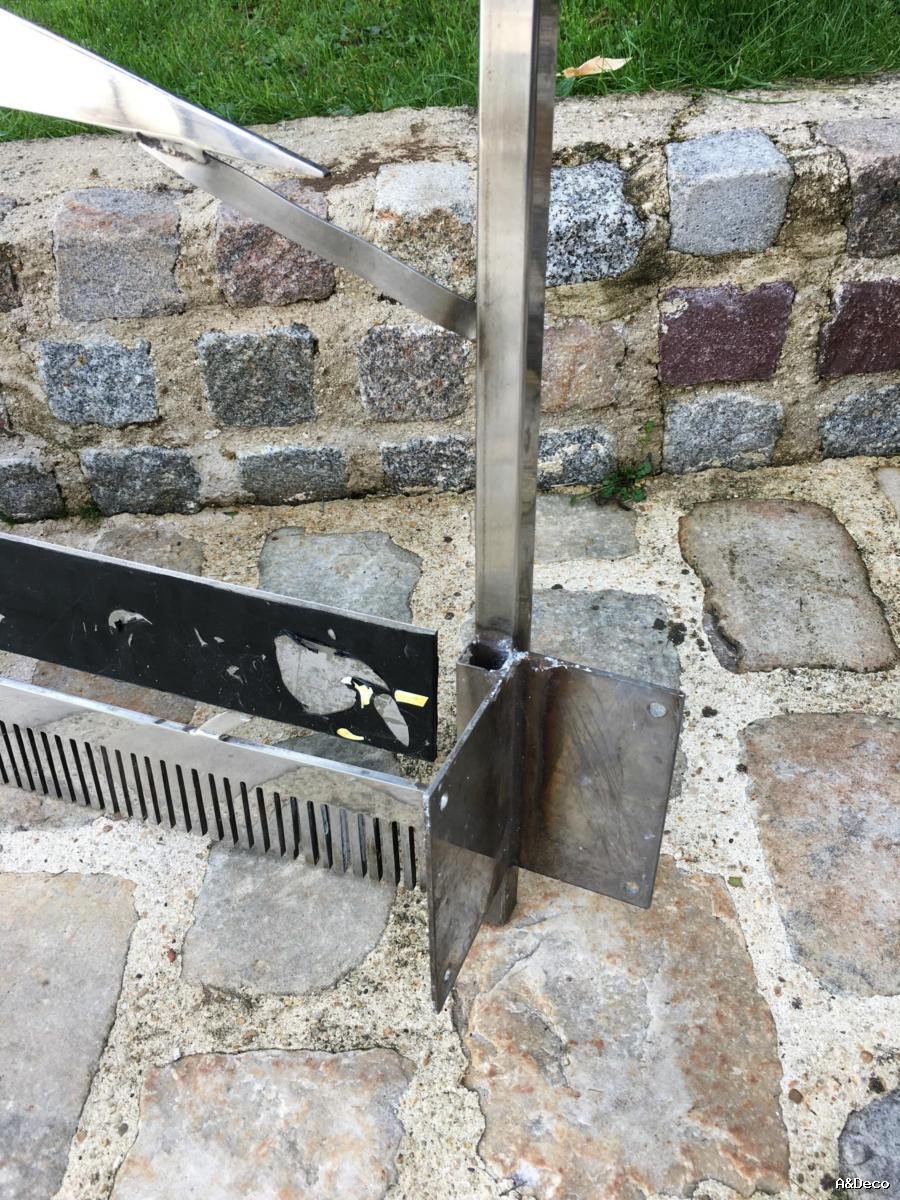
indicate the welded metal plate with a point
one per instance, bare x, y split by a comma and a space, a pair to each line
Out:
471, 817
599, 761
357, 677
261, 798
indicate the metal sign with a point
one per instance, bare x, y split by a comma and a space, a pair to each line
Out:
352, 676
558, 768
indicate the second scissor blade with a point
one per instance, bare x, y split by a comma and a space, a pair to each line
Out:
338, 246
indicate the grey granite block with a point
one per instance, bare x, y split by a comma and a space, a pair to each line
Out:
98, 382
582, 455
115, 254
868, 422
259, 378
727, 192
444, 464
147, 479
594, 232
410, 372
281, 474
728, 429
28, 492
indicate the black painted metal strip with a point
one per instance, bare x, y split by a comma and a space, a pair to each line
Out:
247, 651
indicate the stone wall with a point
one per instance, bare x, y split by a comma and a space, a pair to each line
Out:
724, 291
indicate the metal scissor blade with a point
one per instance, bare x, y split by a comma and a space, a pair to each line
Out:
43, 73
388, 274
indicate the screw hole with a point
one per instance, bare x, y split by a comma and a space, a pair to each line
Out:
632, 888
657, 710
444, 801
447, 974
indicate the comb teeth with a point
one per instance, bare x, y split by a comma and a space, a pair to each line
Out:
257, 818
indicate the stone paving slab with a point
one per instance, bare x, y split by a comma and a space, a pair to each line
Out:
155, 546
277, 926
615, 631
363, 572
870, 1142
21, 810
618, 1052
785, 587
564, 530
308, 926
63, 941
827, 790
279, 1125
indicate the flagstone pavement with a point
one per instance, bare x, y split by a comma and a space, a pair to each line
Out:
179, 1021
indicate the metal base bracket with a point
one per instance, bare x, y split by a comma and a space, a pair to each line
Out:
563, 770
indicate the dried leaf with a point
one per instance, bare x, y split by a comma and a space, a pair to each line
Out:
595, 66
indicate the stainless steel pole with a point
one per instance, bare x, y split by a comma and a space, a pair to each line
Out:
515, 142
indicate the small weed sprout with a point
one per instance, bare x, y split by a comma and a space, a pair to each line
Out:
624, 485
89, 512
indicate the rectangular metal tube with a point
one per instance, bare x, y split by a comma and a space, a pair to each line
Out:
515, 132
516, 92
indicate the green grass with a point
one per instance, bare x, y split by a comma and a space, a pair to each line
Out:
264, 60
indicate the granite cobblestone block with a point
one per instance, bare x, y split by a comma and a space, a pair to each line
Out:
259, 378
722, 333
729, 429
867, 422
424, 214
116, 252
285, 474
28, 491
825, 790
444, 464
871, 149
255, 265
409, 373
569, 456
581, 365
594, 231
861, 336
98, 383
727, 192
146, 479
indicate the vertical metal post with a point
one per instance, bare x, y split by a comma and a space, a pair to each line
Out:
515, 143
